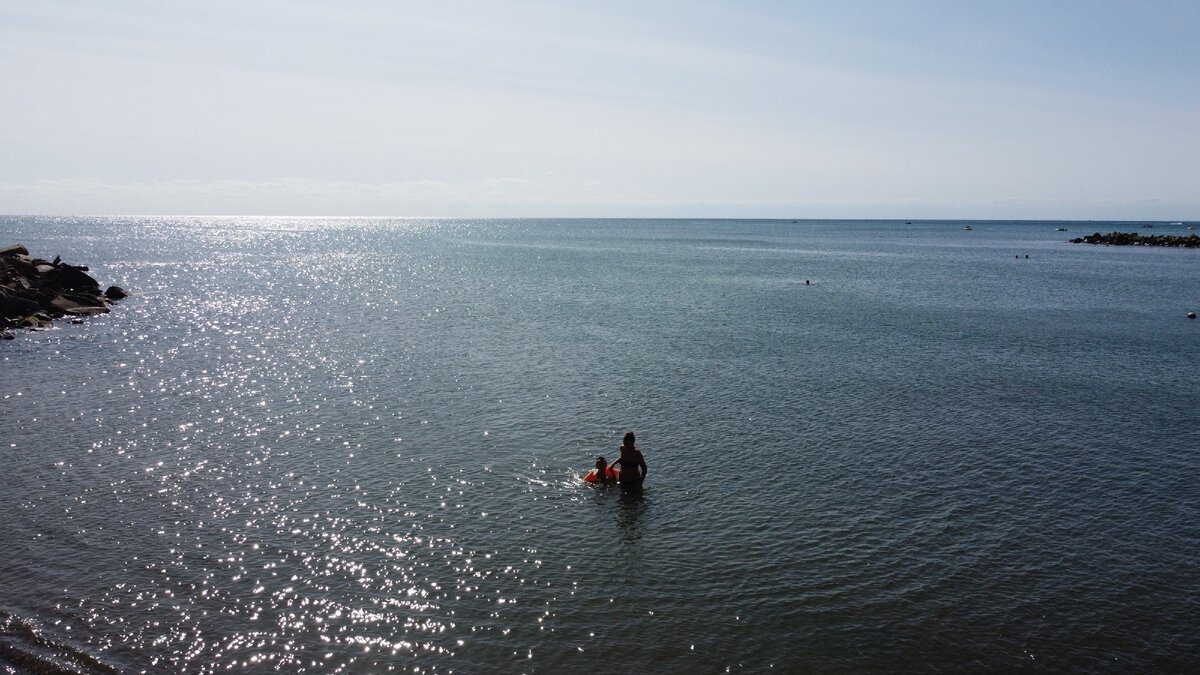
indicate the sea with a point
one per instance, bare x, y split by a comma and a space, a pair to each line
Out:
353, 445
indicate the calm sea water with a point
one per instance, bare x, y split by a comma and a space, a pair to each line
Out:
343, 446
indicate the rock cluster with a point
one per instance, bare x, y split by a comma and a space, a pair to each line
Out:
34, 292
1135, 239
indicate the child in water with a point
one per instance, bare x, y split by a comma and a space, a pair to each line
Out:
602, 473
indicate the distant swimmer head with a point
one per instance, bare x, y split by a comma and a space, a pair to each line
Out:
628, 440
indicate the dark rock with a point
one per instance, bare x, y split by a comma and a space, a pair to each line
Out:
69, 277
36, 320
1135, 239
34, 292
73, 304
15, 306
86, 299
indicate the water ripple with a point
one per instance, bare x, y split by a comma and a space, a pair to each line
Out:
357, 446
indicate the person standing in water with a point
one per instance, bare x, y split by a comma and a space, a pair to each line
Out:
633, 464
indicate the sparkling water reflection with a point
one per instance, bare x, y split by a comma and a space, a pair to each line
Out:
355, 446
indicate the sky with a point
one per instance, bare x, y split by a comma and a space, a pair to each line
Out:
1063, 109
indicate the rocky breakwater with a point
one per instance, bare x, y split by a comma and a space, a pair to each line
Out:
1135, 239
34, 292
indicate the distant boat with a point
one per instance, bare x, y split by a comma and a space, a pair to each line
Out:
1060, 229
1180, 223
967, 227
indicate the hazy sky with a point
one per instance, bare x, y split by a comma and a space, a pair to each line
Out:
904, 109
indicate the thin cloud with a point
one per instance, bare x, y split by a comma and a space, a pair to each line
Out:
523, 105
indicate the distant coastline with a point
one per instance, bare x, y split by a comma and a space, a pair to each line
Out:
1135, 239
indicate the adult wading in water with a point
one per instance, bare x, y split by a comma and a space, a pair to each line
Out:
633, 464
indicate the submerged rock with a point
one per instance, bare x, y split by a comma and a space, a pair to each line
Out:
34, 292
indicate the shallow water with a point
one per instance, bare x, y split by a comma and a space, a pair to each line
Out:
353, 445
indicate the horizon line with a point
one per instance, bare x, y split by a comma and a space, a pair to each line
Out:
1181, 221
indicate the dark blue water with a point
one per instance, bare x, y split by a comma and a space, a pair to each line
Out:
312, 445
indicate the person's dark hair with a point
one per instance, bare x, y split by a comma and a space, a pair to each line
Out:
628, 441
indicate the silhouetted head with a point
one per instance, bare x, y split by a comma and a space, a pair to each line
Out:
601, 463
628, 440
